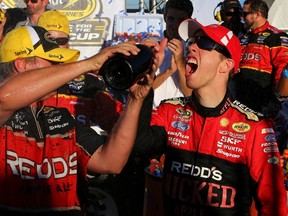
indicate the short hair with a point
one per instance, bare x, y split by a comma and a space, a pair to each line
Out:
183, 5
258, 5
7, 70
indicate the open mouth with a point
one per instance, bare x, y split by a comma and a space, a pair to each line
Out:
191, 65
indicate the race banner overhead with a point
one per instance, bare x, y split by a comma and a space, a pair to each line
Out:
91, 21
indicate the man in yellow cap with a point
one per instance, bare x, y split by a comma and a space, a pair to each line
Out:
57, 24
83, 96
42, 162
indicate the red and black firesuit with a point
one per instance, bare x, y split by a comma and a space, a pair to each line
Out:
217, 159
264, 56
42, 163
85, 97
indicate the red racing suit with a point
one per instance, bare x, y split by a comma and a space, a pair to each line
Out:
216, 159
264, 56
87, 101
42, 163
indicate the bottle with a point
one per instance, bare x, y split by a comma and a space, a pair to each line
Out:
120, 72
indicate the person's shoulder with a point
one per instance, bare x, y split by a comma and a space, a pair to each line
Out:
250, 114
276, 30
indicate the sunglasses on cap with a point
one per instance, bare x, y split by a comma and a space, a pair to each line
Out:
61, 40
32, 1
206, 43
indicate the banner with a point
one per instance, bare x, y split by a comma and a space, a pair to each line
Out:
91, 21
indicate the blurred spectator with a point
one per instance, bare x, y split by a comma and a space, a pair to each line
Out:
170, 81
23, 16
231, 17
34, 9
58, 25
9, 18
14, 16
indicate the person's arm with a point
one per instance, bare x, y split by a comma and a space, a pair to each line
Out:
161, 77
27, 87
279, 62
150, 140
112, 156
282, 86
176, 63
265, 170
177, 49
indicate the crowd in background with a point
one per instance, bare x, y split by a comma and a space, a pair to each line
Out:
259, 83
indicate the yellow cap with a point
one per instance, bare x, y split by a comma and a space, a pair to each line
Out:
54, 20
30, 41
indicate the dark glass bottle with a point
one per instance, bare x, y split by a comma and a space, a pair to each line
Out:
121, 72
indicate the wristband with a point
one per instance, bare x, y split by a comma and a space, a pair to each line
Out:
285, 73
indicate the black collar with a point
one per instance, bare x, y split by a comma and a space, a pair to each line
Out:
216, 111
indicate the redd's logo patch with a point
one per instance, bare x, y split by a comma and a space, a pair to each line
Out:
241, 127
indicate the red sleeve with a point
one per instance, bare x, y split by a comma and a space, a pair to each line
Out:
106, 110
264, 160
82, 160
279, 56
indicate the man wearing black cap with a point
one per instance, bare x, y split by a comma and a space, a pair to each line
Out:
218, 152
231, 15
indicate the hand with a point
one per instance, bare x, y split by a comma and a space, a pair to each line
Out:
158, 49
162, 46
173, 65
177, 49
140, 89
126, 48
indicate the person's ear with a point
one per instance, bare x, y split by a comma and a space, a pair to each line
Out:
226, 65
20, 65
